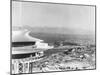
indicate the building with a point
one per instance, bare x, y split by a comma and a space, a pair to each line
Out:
26, 50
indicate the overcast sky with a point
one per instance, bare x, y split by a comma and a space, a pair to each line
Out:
80, 18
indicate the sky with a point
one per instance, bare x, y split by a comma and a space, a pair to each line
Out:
80, 19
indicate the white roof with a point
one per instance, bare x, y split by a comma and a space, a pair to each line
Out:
26, 50
22, 35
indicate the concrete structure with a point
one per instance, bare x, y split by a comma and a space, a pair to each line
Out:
22, 43
26, 50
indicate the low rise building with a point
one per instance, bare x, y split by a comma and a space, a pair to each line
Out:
26, 50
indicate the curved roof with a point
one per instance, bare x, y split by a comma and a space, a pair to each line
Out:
26, 50
22, 35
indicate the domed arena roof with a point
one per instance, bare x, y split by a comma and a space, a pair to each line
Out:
22, 42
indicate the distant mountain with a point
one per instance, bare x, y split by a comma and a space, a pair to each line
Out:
55, 33
58, 30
